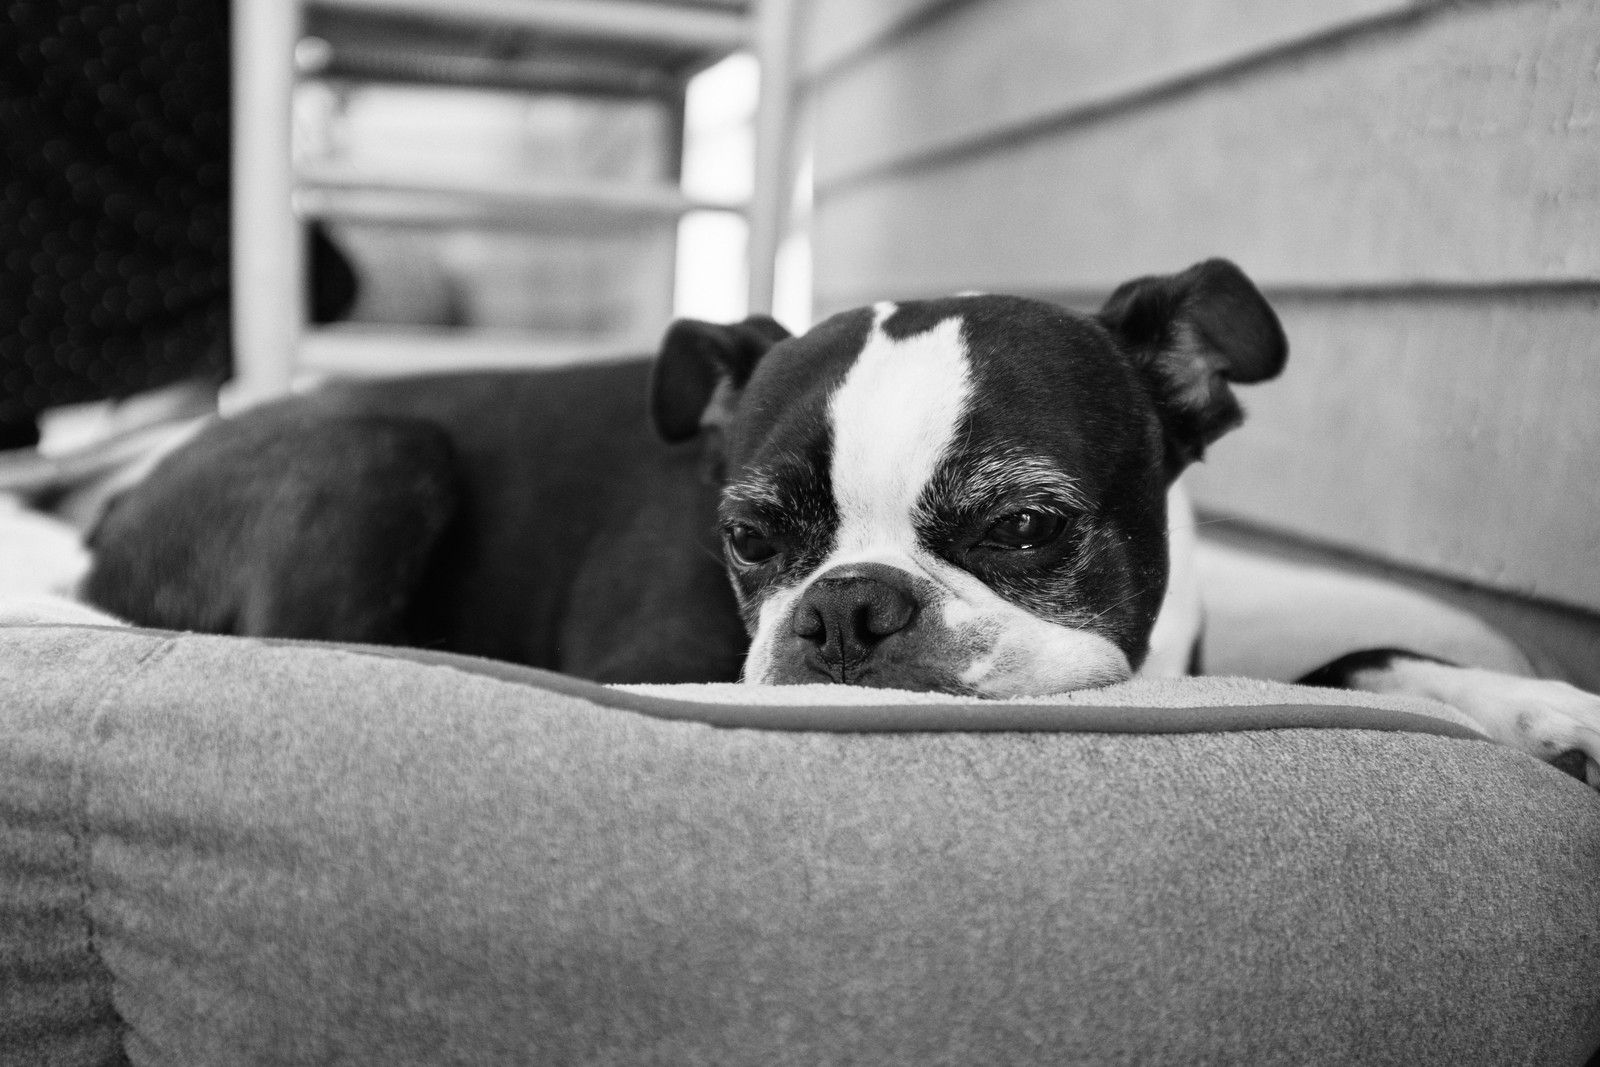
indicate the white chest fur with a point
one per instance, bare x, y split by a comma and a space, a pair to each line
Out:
1179, 621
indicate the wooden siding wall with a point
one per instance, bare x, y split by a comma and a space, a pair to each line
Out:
1415, 185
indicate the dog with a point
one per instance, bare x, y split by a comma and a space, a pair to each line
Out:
975, 495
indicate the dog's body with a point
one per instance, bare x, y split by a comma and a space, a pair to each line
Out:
968, 495
525, 516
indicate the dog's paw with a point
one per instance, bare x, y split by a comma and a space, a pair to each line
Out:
1550, 720
1543, 718
51, 611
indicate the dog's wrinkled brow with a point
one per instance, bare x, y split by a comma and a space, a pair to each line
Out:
977, 484
755, 490
785, 487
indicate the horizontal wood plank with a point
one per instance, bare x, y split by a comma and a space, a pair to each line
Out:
1462, 150
1455, 434
1013, 63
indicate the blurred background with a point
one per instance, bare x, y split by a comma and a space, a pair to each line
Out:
268, 192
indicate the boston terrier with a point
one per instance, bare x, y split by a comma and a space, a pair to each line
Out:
974, 495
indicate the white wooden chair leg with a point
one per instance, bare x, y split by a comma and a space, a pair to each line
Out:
268, 242
774, 146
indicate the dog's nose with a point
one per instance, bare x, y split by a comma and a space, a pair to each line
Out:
850, 611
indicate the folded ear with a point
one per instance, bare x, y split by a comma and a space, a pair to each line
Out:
1191, 334
700, 370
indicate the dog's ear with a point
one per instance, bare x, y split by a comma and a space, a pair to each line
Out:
1191, 334
700, 370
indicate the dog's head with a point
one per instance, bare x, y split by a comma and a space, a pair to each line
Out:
966, 494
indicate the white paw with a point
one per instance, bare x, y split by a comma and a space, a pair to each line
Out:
1542, 718
51, 611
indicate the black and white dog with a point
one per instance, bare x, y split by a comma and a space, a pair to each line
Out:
970, 495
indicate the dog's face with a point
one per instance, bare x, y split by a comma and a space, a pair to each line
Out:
967, 494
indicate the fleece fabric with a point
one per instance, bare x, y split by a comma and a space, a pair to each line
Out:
223, 851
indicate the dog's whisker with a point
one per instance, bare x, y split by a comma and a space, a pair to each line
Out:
1097, 616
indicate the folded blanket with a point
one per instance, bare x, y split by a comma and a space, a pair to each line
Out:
218, 850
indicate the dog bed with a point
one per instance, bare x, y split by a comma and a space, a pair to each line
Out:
219, 850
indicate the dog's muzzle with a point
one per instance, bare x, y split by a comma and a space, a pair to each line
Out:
849, 613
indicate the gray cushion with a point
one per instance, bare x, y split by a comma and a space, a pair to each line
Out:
220, 851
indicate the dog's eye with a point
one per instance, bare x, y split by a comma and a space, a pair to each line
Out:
1028, 528
749, 545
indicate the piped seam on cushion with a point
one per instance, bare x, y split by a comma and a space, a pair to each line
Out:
83, 758
918, 717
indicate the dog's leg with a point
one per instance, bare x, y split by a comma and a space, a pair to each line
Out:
278, 525
1546, 719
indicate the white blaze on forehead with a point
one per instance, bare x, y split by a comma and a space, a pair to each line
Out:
894, 417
